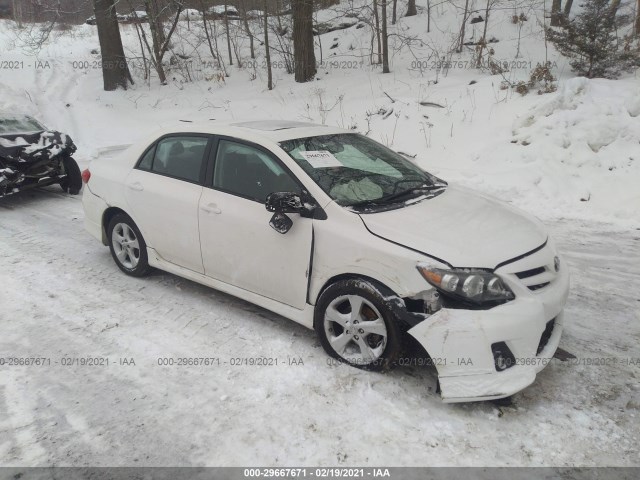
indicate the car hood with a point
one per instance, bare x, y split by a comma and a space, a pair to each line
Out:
460, 227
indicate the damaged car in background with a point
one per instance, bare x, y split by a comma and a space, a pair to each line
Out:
344, 236
33, 156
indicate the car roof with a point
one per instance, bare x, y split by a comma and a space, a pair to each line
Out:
266, 130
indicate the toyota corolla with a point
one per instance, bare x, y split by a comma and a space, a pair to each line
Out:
341, 234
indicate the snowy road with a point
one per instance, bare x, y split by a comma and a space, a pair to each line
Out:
63, 297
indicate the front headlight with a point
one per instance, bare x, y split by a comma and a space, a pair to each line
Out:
473, 286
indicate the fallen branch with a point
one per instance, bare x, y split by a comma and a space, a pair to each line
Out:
431, 104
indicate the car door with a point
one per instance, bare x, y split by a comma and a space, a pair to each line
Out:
238, 245
163, 192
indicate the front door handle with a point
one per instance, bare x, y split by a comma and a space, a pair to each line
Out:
137, 186
210, 208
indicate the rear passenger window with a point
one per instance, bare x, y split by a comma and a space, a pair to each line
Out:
180, 157
147, 160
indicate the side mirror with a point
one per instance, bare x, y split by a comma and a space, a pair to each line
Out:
280, 222
282, 203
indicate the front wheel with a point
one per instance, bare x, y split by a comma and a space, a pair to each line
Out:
72, 182
357, 326
127, 246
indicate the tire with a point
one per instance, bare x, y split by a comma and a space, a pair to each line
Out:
127, 246
72, 183
370, 339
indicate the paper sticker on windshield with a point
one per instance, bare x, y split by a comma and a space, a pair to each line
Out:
321, 159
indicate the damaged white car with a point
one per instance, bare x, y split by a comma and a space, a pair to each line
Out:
355, 242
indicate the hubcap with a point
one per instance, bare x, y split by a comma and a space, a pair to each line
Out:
125, 245
355, 329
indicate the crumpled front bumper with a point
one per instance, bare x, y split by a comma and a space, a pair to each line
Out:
460, 341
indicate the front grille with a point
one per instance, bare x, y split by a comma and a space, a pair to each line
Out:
546, 335
530, 273
536, 278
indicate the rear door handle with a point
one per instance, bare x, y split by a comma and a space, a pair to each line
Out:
137, 186
210, 208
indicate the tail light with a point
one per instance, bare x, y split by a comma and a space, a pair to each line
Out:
86, 175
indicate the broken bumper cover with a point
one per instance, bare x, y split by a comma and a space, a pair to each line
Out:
463, 343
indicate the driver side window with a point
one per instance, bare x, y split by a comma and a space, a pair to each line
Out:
249, 172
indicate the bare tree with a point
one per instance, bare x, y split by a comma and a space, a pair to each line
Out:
138, 27
17, 12
385, 38
266, 48
115, 70
303, 51
637, 24
483, 41
411, 9
556, 13
395, 8
567, 9
377, 29
159, 39
226, 29
245, 21
465, 16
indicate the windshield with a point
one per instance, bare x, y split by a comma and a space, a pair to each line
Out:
19, 125
357, 171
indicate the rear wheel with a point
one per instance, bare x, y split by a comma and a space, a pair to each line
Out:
72, 182
127, 246
357, 326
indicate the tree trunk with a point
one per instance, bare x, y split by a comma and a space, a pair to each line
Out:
17, 12
303, 52
483, 40
266, 48
115, 71
464, 24
411, 8
556, 15
567, 9
159, 39
615, 4
638, 19
395, 8
246, 28
138, 27
428, 15
226, 27
377, 19
385, 39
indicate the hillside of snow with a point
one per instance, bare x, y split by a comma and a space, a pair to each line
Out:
569, 153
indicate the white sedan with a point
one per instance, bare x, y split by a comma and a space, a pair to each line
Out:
355, 242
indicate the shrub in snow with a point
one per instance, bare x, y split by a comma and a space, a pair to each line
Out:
541, 75
590, 40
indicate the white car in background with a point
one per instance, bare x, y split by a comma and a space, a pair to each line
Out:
355, 242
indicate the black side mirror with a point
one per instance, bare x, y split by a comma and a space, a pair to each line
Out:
280, 222
282, 203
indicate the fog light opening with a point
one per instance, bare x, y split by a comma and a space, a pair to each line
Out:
502, 356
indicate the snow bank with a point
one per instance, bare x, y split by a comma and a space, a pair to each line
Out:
589, 134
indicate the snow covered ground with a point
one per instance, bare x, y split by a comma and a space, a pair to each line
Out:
571, 157
63, 296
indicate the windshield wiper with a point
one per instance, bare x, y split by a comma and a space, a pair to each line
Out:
396, 196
